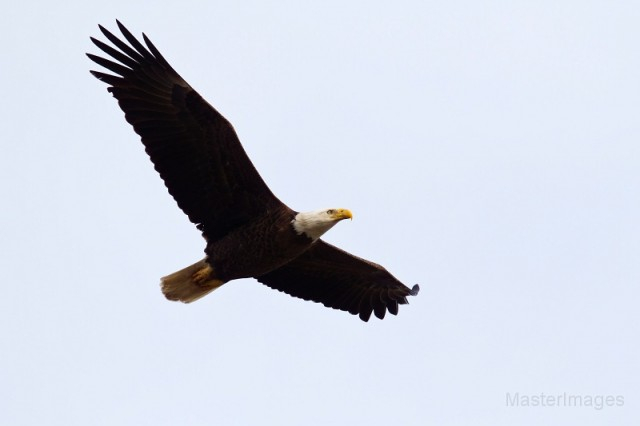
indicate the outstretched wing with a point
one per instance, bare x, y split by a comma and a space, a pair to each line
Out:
193, 147
339, 280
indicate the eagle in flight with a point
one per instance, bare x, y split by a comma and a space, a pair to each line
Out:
249, 232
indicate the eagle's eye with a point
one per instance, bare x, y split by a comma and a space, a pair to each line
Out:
331, 211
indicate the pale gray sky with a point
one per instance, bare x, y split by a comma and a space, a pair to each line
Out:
489, 151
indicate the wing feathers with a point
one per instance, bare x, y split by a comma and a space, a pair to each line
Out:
107, 78
339, 280
111, 66
121, 45
135, 43
193, 147
115, 54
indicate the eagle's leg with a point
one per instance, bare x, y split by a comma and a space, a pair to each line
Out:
191, 283
203, 276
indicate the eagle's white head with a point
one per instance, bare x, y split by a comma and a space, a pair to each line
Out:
314, 224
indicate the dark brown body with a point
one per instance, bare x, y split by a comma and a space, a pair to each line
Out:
257, 248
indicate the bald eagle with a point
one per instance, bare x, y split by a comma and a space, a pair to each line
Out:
248, 231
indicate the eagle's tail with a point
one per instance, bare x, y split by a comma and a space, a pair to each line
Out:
191, 283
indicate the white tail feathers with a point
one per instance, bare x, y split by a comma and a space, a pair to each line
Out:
191, 283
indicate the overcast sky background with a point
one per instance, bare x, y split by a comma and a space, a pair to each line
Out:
489, 150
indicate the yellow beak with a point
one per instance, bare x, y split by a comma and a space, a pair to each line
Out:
342, 214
